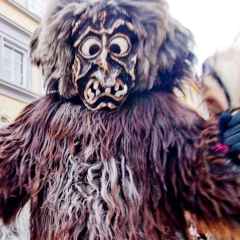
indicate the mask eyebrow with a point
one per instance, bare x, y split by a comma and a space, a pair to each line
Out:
117, 24
121, 22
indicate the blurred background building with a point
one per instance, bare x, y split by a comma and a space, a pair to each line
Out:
20, 83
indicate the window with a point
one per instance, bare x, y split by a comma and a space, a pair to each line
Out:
13, 65
37, 7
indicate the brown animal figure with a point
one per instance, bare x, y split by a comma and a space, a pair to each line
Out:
110, 153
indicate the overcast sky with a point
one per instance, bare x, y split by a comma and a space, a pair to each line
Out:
214, 23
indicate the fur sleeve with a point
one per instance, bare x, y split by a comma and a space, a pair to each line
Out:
217, 188
21, 169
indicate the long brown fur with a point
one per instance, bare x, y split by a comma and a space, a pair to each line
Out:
128, 173
87, 177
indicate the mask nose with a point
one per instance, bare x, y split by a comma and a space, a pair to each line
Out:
103, 64
105, 74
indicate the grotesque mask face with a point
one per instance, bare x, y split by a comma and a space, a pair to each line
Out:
105, 59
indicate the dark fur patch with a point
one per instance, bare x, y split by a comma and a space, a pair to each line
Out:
123, 174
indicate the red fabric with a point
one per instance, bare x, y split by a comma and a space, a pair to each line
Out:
222, 148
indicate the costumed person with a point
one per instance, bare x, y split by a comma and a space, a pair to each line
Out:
110, 152
220, 89
221, 74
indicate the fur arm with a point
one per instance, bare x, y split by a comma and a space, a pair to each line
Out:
14, 165
216, 201
21, 170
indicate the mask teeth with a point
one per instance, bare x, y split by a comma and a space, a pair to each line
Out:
122, 92
108, 90
117, 86
91, 95
98, 92
96, 85
95, 89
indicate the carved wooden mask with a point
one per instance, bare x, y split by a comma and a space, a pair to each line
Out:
105, 59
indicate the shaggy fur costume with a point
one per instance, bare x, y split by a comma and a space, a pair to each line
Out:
126, 173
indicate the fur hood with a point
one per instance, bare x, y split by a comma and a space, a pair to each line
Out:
163, 43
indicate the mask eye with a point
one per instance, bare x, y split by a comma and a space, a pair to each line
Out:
90, 48
120, 46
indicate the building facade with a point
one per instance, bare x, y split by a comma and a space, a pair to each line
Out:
20, 83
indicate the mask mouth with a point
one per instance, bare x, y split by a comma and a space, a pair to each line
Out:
95, 90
